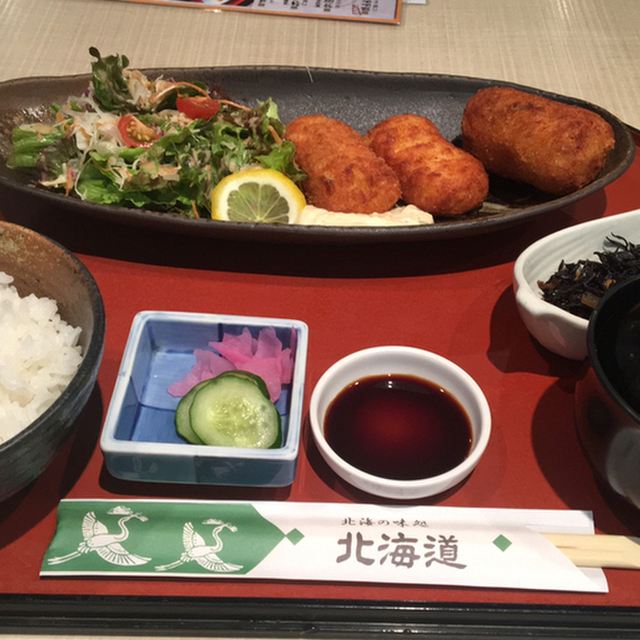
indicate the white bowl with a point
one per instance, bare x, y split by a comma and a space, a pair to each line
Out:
408, 361
139, 439
556, 329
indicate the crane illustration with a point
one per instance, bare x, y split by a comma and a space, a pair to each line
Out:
107, 545
197, 550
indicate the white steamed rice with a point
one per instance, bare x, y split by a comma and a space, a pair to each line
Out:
39, 355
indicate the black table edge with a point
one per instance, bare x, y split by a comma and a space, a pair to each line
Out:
291, 618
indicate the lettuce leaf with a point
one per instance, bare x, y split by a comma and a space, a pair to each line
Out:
28, 143
109, 84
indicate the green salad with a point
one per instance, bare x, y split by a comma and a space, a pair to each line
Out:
156, 144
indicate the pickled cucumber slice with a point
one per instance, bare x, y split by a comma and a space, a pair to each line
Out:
183, 423
233, 411
256, 379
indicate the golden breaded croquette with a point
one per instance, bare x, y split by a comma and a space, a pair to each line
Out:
434, 174
553, 146
343, 173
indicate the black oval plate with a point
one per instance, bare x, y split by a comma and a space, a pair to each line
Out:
361, 99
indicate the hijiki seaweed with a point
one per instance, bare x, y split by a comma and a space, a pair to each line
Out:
578, 286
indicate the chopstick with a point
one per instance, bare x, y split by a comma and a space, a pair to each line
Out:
613, 552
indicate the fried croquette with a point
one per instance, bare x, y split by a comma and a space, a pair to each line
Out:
434, 174
553, 146
343, 174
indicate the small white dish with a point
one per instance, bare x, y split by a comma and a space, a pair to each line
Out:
556, 329
401, 360
139, 439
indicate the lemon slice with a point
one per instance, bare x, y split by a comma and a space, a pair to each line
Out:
257, 195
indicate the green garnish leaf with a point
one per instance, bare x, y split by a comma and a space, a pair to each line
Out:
109, 84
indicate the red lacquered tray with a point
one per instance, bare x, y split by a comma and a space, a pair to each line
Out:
453, 297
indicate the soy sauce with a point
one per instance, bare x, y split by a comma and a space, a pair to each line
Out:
398, 427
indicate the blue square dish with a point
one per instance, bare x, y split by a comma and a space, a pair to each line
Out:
139, 439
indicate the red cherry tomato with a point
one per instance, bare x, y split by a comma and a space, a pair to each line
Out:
135, 133
198, 107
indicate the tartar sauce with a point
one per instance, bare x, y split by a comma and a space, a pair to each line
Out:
399, 216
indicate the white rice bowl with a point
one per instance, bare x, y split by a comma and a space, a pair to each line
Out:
39, 355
